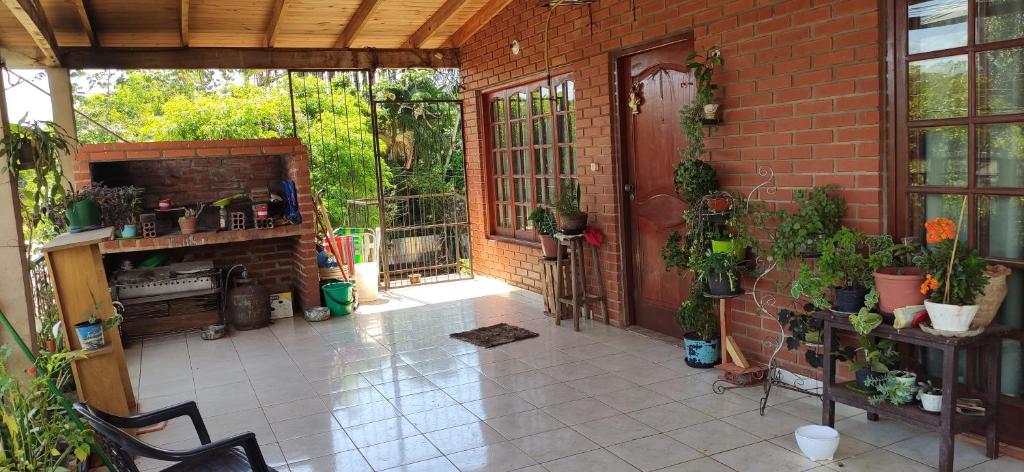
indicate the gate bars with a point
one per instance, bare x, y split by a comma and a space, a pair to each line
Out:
387, 147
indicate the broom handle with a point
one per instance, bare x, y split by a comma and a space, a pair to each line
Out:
952, 256
321, 213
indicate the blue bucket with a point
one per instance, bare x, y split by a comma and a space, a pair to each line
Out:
701, 354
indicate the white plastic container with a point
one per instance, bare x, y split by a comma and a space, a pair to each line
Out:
932, 403
367, 276
818, 443
955, 318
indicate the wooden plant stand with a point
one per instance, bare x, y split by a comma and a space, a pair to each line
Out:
736, 370
79, 282
948, 422
548, 278
578, 278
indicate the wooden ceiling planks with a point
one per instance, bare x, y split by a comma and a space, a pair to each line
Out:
483, 16
436, 20
184, 15
274, 25
255, 58
355, 24
32, 17
86, 21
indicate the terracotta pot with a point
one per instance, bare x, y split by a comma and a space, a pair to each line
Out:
548, 246
188, 225
574, 225
955, 318
898, 291
719, 204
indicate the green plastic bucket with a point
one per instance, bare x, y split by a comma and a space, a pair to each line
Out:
338, 298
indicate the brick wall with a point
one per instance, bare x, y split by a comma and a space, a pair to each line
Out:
801, 92
189, 172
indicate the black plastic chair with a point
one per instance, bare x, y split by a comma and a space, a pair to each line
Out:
240, 453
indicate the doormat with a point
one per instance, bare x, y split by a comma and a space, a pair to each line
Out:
496, 335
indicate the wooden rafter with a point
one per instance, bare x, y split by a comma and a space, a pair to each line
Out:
183, 13
275, 22
83, 16
32, 17
430, 27
356, 22
255, 58
477, 21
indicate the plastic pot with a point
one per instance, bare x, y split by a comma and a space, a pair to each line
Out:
863, 375
701, 353
718, 284
897, 290
90, 335
956, 318
548, 246
188, 225
129, 231
726, 246
929, 402
83, 214
572, 225
849, 300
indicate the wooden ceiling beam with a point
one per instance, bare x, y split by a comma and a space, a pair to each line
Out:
483, 16
183, 13
430, 27
32, 17
356, 23
256, 58
86, 19
274, 27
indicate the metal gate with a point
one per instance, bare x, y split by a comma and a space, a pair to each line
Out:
387, 149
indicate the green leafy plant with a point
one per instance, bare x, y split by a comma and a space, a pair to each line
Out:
883, 252
694, 179
697, 314
819, 211
691, 116
118, 205
880, 356
543, 220
890, 390
843, 264
954, 274
926, 388
568, 203
674, 253
37, 434
192, 212
718, 263
703, 67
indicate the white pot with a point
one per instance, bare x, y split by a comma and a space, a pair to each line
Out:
711, 111
818, 443
956, 318
931, 402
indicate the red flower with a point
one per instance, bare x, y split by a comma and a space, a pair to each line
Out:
939, 230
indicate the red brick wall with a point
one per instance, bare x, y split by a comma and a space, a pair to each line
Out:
201, 171
801, 92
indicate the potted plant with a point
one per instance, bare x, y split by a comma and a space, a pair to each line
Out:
703, 68
954, 276
130, 228
189, 220
890, 390
897, 281
544, 222
843, 268
695, 178
930, 396
90, 332
697, 318
817, 217
119, 206
574, 220
904, 376
81, 210
878, 357
37, 146
721, 271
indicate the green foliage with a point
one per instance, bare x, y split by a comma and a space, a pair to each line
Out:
543, 220
36, 433
884, 253
843, 264
694, 179
691, 119
697, 314
717, 263
819, 211
926, 388
674, 253
703, 67
968, 279
890, 390
878, 357
568, 204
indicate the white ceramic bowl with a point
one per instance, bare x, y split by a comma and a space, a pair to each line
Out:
818, 443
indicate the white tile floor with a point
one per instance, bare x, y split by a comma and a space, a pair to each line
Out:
387, 389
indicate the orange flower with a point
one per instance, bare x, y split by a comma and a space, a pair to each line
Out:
929, 284
940, 229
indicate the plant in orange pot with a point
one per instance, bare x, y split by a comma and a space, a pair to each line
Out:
954, 276
543, 220
897, 281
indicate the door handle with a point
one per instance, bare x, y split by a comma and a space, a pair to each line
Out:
629, 189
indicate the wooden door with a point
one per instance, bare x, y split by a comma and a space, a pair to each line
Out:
651, 139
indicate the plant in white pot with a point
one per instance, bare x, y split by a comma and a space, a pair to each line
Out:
930, 396
954, 276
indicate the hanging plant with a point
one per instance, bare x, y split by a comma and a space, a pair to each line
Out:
36, 147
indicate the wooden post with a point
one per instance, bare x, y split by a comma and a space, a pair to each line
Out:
724, 331
64, 114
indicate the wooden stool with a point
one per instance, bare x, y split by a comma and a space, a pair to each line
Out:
578, 278
548, 278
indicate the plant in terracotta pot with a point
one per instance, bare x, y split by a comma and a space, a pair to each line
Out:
896, 280
955, 276
574, 220
721, 272
190, 219
697, 318
817, 216
544, 222
843, 268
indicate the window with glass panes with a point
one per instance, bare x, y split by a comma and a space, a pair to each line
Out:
959, 124
531, 149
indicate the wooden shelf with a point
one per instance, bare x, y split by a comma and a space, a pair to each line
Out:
106, 349
909, 413
201, 239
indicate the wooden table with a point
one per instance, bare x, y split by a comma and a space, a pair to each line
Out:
578, 294
947, 423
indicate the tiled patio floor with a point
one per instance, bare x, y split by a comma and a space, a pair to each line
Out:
388, 390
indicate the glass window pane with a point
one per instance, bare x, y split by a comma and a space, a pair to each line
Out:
499, 136
519, 133
540, 101
523, 192
1000, 81
501, 163
566, 99
924, 207
938, 88
1011, 313
1000, 157
566, 128
542, 163
521, 213
999, 20
498, 110
566, 161
1001, 226
938, 156
519, 163
936, 24
542, 131
517, 105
